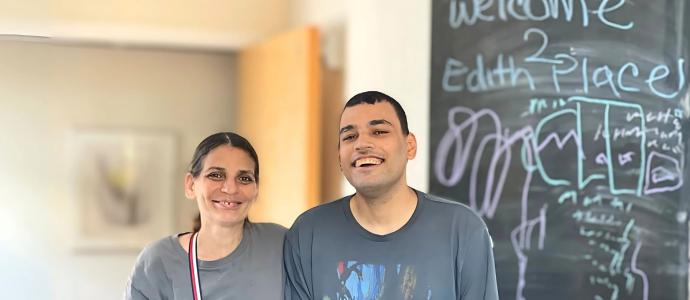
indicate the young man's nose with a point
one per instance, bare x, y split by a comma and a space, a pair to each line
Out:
363, 143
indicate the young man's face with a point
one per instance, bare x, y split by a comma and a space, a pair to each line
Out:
373, 151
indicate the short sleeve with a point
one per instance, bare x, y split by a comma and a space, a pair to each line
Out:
148, 279
477, 278
296, 279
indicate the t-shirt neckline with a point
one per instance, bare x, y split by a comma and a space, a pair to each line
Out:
212, 264
350, 218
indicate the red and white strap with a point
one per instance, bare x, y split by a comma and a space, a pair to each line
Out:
194, 267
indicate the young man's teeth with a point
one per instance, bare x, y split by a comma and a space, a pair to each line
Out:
367, 161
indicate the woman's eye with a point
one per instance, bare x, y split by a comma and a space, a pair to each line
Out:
216, 176
246, 179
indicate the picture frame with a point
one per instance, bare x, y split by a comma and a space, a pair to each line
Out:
123, 187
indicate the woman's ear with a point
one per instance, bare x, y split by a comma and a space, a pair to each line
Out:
189, 187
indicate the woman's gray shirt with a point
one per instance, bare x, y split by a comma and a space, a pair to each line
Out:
252, 271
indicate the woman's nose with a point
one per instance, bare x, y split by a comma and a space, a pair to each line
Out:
229, 186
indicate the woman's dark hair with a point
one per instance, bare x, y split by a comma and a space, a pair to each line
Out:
219, 139
211, 142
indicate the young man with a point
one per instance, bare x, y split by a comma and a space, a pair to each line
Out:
387, 241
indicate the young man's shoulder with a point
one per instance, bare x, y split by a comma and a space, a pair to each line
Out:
318, 214
452, 209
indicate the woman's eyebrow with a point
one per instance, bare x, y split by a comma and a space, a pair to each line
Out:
215, 169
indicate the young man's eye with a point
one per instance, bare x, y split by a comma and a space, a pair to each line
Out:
380, 132
348, 138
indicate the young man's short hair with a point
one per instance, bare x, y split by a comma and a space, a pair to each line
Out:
372, 97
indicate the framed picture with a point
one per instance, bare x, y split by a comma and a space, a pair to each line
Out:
123, 187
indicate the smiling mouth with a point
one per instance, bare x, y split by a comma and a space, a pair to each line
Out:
227, 204
367, 162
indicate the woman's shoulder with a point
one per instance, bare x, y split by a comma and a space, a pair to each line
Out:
269, 232
149, 273
268, 229
164, 248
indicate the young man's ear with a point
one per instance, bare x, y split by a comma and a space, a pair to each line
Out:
189, 186
340, 166
411, 146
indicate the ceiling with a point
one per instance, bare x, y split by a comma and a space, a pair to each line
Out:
200, 24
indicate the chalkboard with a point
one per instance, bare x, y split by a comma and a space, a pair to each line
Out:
564, 124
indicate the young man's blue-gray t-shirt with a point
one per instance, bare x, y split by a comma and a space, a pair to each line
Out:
443, 252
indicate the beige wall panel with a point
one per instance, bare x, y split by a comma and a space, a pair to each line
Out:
279, 112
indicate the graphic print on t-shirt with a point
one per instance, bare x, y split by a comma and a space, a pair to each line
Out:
361, 281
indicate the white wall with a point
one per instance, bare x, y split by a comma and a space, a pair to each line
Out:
318, 12
387, 47
45, 92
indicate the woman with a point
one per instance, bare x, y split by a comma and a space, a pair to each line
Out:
230, 257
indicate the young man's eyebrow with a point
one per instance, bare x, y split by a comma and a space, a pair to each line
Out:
346, 128
379, 122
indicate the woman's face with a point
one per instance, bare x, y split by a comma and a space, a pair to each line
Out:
226, 187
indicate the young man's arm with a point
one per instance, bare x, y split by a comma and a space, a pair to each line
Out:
296, 281
477, 278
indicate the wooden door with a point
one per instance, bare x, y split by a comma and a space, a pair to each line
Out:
279, 112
